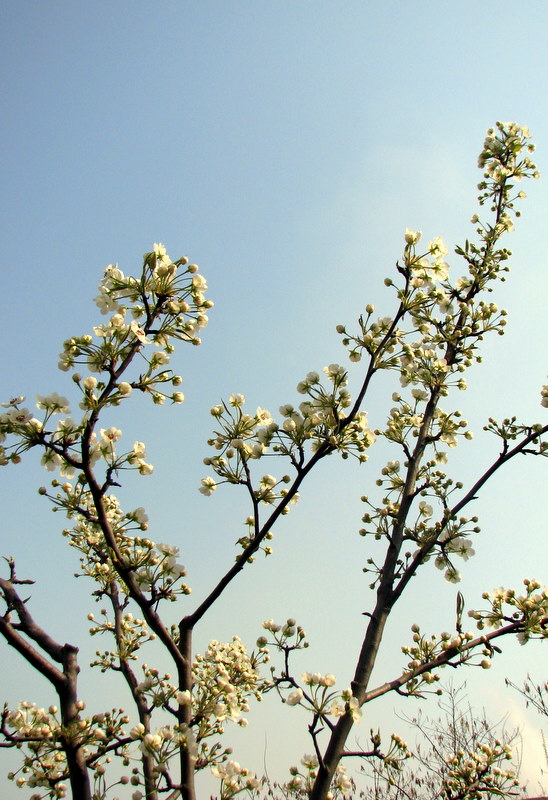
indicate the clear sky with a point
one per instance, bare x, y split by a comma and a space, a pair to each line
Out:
283, 145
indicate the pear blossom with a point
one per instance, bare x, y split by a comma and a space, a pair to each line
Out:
138, 332
90, 383
15, 401
263, 417
354, 710
425, 509
139, 516
412, 237
138, 453
437, 247
452, 575
50, 460
208, 486
110, 435
53, 403
334, 371
159, 359
295, 697
144, 468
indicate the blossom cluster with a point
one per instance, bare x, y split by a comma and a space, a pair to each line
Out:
164, 743
302, 779
407, 420
505, 153
39, 734
530, 610
323, 417
234, 779
509, 429
317, 699
155, 566
167, 302
475, 773
130, 634
321, 421
45, 761
526, 613
226, 676
314, 695
442, 539
426, 650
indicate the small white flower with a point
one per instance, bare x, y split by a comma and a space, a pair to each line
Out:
263, 416
144, 468
425, 509
89, 383
236, 400
138, 332
184, 698
295, 697
452, 575
53, 403
437, 247
110, 434
208, 486
412, 237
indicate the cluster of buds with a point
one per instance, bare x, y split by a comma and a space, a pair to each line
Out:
36, 730
432, 652
225, 677
530, 610
406, 422
27, 431
39, 732
155, 565
320, 421
167, 302
164, 743
509, 430
314, 693
235, 779
303, 777
505, 153
444, 539
475, 773
130, 633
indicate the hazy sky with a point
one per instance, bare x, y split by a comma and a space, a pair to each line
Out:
284, 146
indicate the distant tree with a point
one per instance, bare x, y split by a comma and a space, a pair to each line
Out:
458, 754
536, 696
175, 727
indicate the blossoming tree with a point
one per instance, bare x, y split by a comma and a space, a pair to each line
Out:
176, 725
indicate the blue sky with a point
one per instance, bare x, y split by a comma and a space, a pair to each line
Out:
283, 146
